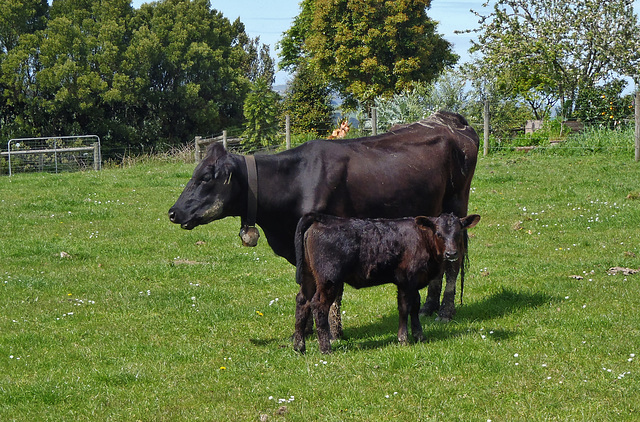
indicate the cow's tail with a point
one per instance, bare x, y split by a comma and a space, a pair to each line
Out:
303, 225
465, 261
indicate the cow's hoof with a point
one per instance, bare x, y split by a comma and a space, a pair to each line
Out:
325, 351
429, 308
443, 319
336, 334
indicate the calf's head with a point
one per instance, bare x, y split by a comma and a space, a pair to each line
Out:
210, 194
449, 232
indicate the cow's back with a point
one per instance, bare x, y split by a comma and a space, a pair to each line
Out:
420, 169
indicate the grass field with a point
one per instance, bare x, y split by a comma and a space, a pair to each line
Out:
110, 313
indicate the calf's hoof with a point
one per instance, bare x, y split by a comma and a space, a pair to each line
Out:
299, 345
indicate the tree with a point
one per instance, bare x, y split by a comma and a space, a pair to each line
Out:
185, 68
261, 114
19, 21
605, 104
367, 48
308, 102
549, 50
260, 64
137, 78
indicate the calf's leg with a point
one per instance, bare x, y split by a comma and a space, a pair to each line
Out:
404, 306
416, 327
335, 317
303, 312
320, 304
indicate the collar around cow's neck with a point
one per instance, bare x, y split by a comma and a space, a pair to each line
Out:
252, 191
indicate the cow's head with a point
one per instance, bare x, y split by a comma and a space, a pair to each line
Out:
211, 193
449, 232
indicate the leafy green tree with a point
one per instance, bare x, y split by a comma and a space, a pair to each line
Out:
292, 51
260, 64
308, 102
261, 115
19, 20
549, 50
185, 67
604, 104
368, 48
137, 78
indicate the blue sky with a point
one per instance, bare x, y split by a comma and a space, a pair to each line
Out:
269, 20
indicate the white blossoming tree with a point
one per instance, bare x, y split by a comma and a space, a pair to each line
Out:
554, 48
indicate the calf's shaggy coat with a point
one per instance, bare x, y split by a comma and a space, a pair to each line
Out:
408, 252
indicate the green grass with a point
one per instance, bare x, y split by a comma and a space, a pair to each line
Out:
145, 321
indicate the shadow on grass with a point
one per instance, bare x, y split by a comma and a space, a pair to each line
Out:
502, 303
383, 331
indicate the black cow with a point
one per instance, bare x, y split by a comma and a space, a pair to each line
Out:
408, 252
420, 169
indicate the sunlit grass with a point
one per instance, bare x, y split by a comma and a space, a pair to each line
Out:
141, 320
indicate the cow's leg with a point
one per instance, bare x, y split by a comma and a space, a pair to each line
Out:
448, 309
321, 303
416, 327
432, 304
335, 317
303, 313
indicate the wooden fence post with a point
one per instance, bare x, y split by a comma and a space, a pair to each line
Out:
486, 126
374, 121
637, 118
96, 156
287, 127
197, 154
224, 139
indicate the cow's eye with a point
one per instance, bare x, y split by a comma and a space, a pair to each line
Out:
206, 178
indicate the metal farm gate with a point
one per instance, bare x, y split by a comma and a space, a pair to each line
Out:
52, 154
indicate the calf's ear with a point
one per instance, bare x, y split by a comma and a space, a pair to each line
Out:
470, 221
426, 222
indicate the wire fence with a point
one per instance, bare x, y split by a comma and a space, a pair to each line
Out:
61, 154
51, 154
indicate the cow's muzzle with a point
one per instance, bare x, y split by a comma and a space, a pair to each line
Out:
451, 256
173, 217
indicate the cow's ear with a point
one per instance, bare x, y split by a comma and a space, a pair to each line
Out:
426, 222
223, 170
470, 221
216, 151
